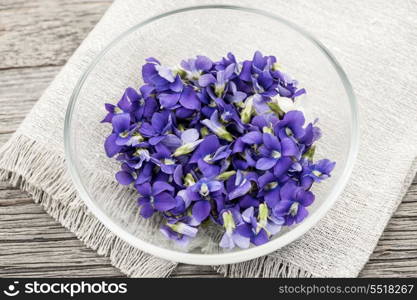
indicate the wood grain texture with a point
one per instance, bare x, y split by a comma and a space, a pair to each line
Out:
36, 39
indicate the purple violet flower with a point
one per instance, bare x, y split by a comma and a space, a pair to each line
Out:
291, 125
269, 188
260, 228
200, 193
232, 223
183, 202
217, 142
321, 170
179, 231
163, 158
276, 154
136, 159
234, 94
219, 82
161, 78
187, 143
195, 67
157, 128
121, 134
293, 203
217, 127
187, 98
127, 104
210, 156
126, 176
205, 186
240, 184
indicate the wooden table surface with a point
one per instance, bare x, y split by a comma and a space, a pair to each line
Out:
36, 39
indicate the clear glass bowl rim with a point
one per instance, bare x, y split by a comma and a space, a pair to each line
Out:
223, 258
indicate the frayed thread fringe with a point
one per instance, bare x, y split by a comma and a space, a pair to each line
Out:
40, 172
265, 267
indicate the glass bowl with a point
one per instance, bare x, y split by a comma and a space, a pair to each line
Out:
212, 31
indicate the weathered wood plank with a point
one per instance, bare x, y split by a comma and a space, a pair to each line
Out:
44, 32
33, 244
36, 38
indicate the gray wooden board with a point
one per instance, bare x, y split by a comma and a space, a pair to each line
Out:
36, 39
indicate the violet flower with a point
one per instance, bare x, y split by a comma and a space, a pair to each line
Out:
121, 134
260, 228
183, 202
187, 143
161, 78
205, 186
269, 188
136, 159
163, 158
121, 127
276, 154
157, 128
209, 156
219, 82
127, 104
126, 175
217, 127
232, 223
293, 203
186, 98
144, 174
155, 197
321, 170
226, 61
195, 67
291, 125
234, 94
210, 143
179, 231
240, 184
287, 87
200, 193
230, 116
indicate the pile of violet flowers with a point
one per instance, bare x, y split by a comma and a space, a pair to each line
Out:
221, 142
